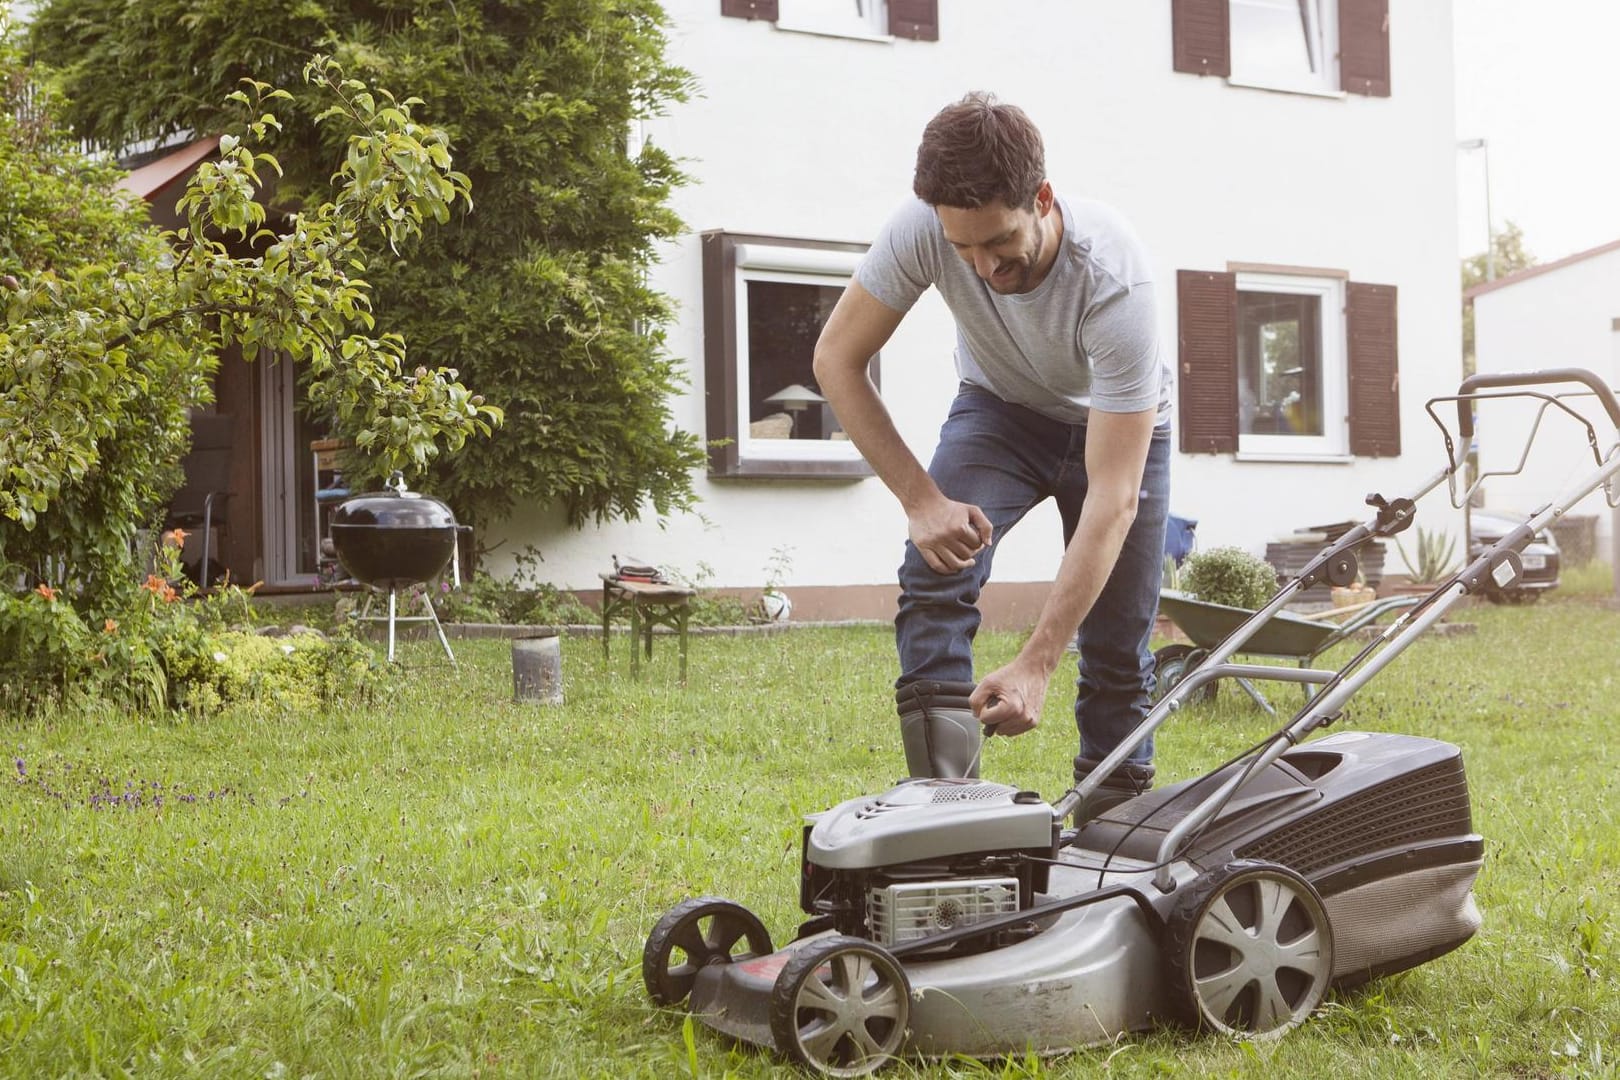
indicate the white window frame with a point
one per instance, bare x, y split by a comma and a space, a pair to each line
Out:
797, 266
1322, 45
863, 20
1334, 442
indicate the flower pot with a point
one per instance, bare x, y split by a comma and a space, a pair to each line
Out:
1350, 595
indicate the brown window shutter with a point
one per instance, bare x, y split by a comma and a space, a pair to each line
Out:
1364, 47
916, 19
1201, 36
1375, 384
749, 9
1207, 365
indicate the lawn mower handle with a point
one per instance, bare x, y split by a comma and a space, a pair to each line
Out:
1465, 411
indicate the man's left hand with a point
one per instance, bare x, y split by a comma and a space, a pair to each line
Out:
1009, 699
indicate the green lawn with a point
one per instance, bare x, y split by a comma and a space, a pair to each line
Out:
444, 882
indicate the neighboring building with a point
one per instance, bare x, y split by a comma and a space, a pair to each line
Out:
1289, 163
1562, 314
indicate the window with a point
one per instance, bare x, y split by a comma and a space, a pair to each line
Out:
838, 18
1285, 44
876, 20
1290, 372
1309, 46
765, 302
1287, 365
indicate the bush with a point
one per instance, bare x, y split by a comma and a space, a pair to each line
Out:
516, 601
1230, 576
168, 650
301, 671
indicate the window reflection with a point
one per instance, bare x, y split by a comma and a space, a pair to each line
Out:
1283, 42
1279, 364
784, 320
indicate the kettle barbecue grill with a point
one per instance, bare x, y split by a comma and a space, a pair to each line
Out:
392, 540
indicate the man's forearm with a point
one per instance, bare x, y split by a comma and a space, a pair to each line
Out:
1087, 563
861, 412
1116, 455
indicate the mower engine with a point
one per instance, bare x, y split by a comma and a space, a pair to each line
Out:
924, 857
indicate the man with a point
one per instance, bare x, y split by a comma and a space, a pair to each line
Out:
1064, 394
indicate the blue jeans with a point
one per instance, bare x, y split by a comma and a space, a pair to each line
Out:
1005, 459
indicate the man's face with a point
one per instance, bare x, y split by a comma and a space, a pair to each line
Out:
1005, 247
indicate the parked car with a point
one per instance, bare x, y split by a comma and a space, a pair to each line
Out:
1540, 556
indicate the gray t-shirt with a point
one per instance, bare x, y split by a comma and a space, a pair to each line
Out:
1086, 337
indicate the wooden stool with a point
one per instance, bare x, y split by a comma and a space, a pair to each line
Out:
649, 605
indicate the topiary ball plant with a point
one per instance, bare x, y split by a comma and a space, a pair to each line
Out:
1230, 576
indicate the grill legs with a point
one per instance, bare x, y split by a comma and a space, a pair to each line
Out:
394, 617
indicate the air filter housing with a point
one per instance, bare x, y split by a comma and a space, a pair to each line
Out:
905, 912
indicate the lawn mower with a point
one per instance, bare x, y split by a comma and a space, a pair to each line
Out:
958, 916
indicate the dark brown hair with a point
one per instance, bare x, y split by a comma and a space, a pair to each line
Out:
978, 150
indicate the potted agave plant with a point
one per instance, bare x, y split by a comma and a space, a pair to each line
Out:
1432, 562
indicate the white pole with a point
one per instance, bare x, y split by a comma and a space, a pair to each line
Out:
1490, 226
1614, 550
1614, 518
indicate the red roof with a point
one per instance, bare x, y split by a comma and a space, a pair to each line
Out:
154, 176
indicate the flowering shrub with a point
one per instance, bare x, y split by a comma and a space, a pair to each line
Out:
168, 647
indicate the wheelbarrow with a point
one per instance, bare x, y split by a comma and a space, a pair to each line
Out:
1284, 636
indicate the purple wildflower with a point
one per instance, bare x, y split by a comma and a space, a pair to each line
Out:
22, 769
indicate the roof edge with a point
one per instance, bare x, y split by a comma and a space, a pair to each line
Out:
151, 178
1534, 271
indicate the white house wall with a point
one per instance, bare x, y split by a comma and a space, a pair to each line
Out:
1563, 317
814, 137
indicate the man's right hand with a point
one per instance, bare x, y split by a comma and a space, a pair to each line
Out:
948, 534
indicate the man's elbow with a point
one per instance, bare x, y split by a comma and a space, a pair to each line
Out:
1121, 508
830, 367
821, 365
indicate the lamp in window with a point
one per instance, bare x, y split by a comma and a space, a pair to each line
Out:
794, 400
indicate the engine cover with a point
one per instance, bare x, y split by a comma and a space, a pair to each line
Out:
928, 819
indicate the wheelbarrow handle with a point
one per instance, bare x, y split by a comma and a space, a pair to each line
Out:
1465, 407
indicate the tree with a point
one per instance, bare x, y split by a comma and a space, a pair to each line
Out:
112, 328
1511, 257
539, 297
71, 415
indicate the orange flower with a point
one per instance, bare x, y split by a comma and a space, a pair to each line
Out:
110, 626
46, 591
175, 538
160, 588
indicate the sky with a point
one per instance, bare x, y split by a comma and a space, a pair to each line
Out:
1539, 82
